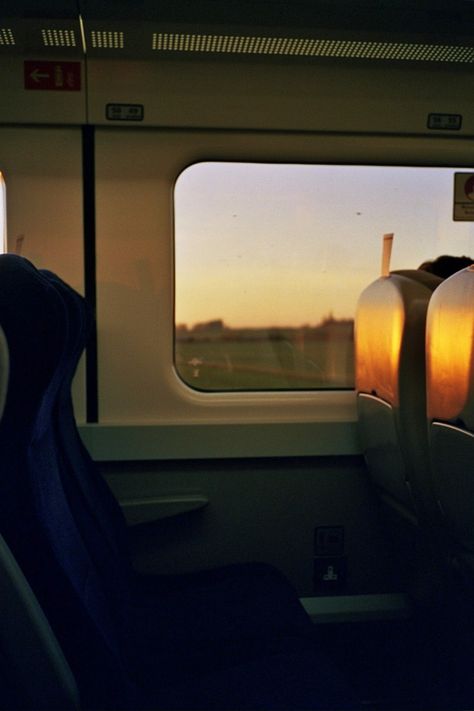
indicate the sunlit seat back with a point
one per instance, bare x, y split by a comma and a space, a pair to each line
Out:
390, 385
450, 401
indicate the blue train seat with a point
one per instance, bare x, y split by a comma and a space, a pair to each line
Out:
450, 401
34, 670
236, 637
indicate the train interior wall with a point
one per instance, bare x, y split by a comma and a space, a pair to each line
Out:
261, 506
263, 471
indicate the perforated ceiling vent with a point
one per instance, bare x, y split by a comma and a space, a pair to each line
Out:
107, 39
58, 38
309, 47
6, 37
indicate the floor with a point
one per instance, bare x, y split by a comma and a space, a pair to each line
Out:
416, 664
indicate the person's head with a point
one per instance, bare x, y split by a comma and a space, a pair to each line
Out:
446, 265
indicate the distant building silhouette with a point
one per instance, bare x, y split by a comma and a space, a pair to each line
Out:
214, 326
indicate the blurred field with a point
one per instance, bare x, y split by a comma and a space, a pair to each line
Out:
267, 364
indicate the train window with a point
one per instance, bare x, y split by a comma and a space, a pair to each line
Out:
270, 260
3, 216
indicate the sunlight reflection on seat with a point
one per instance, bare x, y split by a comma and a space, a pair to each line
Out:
379, 331
450, 348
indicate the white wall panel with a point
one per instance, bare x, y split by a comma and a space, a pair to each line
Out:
282, 95
42, 168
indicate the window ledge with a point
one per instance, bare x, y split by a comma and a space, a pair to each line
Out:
126, 442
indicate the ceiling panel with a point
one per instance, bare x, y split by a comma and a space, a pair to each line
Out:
135, 28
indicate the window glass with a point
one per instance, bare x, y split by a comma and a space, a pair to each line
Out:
271, 258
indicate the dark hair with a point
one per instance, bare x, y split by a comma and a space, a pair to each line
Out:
446, 265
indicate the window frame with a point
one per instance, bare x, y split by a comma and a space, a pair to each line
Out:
194, 423
260, 342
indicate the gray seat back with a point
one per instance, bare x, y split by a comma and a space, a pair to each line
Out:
390, 385
450, 402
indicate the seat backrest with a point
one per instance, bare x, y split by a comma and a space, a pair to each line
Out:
37, 670
35, 514
85, 487
390, 385
450, 403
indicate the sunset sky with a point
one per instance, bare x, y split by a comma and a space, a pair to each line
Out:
276, 245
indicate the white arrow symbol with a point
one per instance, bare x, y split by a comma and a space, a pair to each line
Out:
36, 75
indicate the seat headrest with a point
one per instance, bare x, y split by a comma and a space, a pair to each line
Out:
34, 322
450, 351
4, 368
389, 334
431, 281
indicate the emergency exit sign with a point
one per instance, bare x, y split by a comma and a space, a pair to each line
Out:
52, 76
463, 197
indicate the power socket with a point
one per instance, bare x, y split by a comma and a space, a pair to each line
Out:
329, 574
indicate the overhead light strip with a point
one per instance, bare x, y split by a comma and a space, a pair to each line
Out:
58, 38
107, 39
7, 38
309, 47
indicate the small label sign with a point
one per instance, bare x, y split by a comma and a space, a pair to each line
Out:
444, 122
124, 112
52, 76
463, 197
